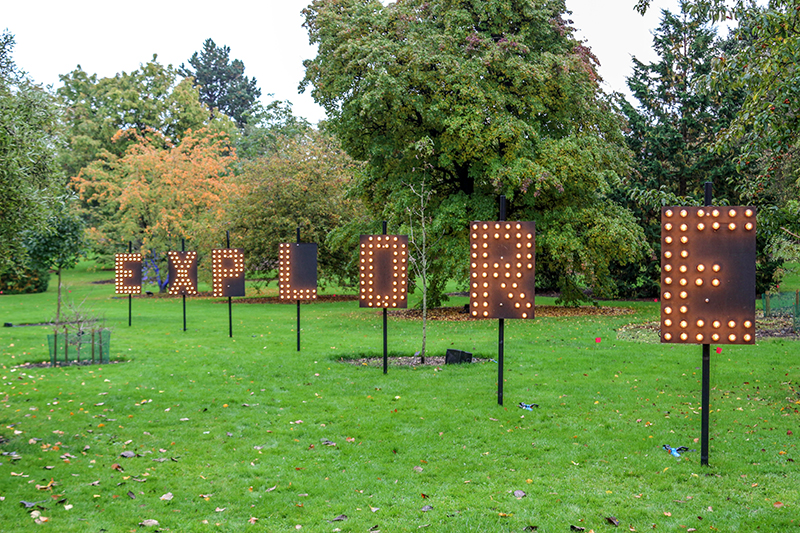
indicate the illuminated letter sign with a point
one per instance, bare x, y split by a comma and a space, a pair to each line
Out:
708, 275
383, 269
227, 269
183, 273
128, 273
502, 269
298, 271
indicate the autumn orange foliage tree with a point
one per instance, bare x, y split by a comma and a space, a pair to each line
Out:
159, 192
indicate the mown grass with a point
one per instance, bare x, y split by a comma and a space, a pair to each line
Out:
226, 414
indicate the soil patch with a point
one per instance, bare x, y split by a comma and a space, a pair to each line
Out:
649, 332
404, 361
322, 298
461, 312
71, 363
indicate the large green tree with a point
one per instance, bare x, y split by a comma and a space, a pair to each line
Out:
765, 131
149, 99
508, 101
31, 184
222, 83
672, 129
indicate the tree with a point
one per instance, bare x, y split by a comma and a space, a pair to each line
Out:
148, 100
30, 182
222, 83
761, 62
267, 127
672, 130
59, 247
421, 252
509, 102
159, 192
303, 182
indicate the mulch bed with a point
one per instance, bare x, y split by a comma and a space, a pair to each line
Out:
403, 361
459, 313
71, 363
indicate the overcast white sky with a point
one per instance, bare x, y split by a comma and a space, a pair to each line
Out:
53, 36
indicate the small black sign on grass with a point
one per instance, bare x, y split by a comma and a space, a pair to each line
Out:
454, 357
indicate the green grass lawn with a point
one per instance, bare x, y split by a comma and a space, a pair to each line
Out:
233, 429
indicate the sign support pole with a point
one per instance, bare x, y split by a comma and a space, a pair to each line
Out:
230, 306
298, 302
706, 372
130, 296
385, 342
501, 326
183, 249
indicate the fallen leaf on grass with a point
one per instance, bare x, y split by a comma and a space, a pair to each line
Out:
530, 528
777, 505
252, 520
374, 509
68, 507
167, 497
375, 529
612, 520
131, 495
418, 468
340, 518
128, 454
49, 467
149, 523
94, 483
519, 494
116, 466
505, 514
427, 508
326, 442
272, 488
219, 509
667, 513
49, 486
576, 528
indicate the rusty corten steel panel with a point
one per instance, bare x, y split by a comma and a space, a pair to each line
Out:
183, 273
298, 271
383, 271
502, 269
708, 275
128, 273
227, 271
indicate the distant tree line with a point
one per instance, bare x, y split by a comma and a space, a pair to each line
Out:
466, 101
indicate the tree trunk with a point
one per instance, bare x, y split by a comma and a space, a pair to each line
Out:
58, 301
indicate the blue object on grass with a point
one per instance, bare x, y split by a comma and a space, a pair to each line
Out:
676, 452
528, 406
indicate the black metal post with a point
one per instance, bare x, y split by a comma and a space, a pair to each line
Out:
183, 249
501, 327
706, 386
230, 306
385, 322
130, 296
298, 302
